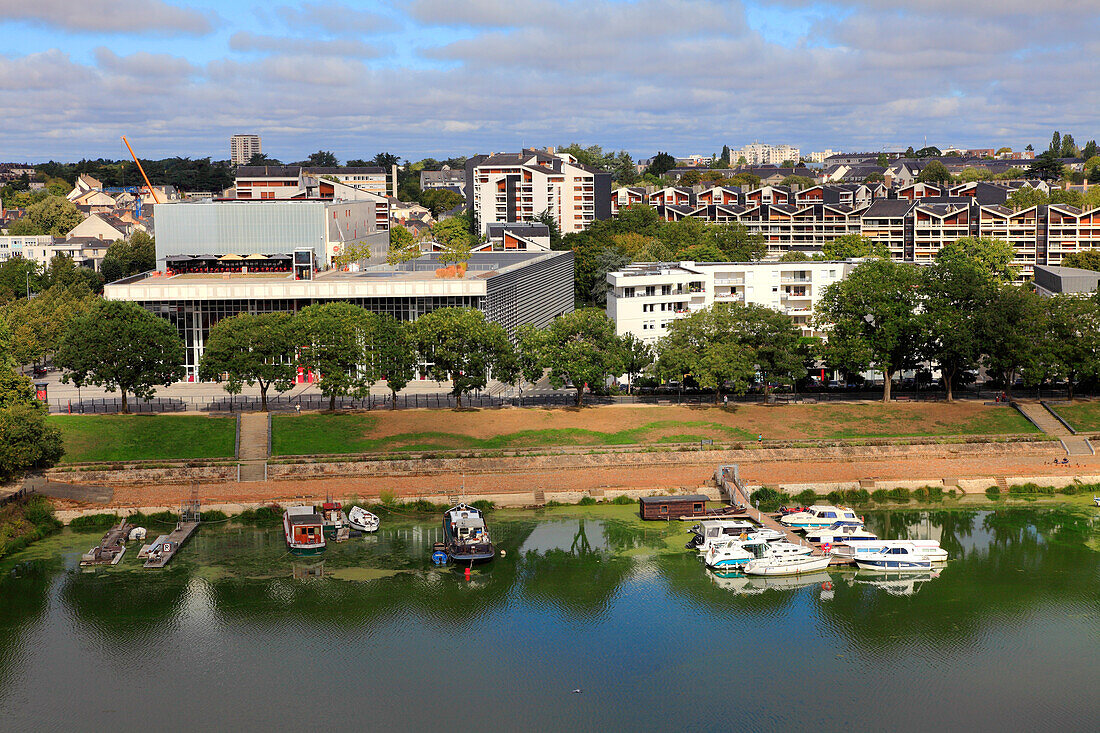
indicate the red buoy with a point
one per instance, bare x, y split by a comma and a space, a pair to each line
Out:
467, 573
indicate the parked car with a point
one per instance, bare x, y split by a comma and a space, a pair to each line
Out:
38, 371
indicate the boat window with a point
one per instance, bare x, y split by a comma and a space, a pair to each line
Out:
697, 507
828, 515
664, 509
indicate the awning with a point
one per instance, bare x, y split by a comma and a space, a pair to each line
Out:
257, 257
280, 257
178, 258
230, 258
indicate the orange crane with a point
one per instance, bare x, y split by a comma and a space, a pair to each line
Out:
148, 185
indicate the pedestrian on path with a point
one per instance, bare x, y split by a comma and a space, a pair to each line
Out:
298, 407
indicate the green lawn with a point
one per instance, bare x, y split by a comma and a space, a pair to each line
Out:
145, 437
432, 430
1081, 415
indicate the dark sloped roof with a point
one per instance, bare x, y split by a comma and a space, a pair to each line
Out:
888, 209
668, 499
268, 171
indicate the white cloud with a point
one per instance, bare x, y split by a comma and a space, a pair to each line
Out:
335, 18
245, 41
108, 16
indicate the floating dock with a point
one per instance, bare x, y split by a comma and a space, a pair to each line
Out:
161, 552
110, 549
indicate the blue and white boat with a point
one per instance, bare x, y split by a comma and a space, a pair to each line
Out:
842, 531
897, 559
710, 532
819, 516
734, 553
465, 536
925, 548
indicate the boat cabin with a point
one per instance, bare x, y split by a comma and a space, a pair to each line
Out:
671, 507
306, 526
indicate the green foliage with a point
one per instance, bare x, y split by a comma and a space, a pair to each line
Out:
848, 246
129, 257
587, 501
929, 152
662, 163
120, 345
622, 500
1071, 339
637, 357
264, 516
38, 324
1088, 259
767, 499
933, 494
333, 339
993, 493
850, 497
144, 437
805, 497
1047, 166
990, 254
54, 215
461, 345
800, 181
251, 349
454, 234
1025, 197
26, 440
874, 319
579, 347
1010, 327
16, 274
441, 200
94, 521
403, 247
934, 172
395, 353
25, 521
794, 255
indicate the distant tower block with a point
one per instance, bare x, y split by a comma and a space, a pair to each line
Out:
243, 147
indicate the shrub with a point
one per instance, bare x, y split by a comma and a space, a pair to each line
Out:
929, 493
806, 497
386, 497
484, 505
622, 500
880, 496
586, 501
214, 515
1031, 489
850, 496
94, 521
899, 495
993, 493
264, 516
769, 500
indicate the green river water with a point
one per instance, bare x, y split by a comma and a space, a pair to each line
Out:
238, 635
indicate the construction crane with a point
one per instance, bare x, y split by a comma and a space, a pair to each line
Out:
156, 199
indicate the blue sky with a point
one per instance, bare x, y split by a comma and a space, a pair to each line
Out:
440, 77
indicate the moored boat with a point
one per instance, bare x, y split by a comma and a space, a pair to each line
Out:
838, 532
925, 548
716, 531
304, 530
732, 553
820, 516
897, 559
786, 565
465, 536
362, 520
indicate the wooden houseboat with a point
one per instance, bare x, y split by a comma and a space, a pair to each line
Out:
672, 507
304, 530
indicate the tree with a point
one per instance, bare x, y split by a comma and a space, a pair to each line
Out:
1072, 338
1062, 196
849, 246
1069, 148
386, 160
625, 171
910, 153
38, 324
637, 354
120, 345
17, 276
332, 340
874, 177
1026, 197
928, 152
323, 159
971, 174
883, 160
993, 256
1088, 259
251, 349
403, 246
708, 346
396, 354
691, 178
27, 440
263, 159
872, 319
1011, 327
609, 260
454, 234
800, 181
726, 155
54, 215
459, 344
579, 348
545, 217
955, 290
440, 200
1089, 151
1055, 143
934, 172
661, 164
1046, 166
129, 257
794, 255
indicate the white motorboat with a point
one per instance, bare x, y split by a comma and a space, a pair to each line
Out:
819, 516
362, 520
714, 531
786, 565
925, 548
897, 559
838, 532
767, 534
732, 553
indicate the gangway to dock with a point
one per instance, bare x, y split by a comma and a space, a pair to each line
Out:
730, 487
167, 547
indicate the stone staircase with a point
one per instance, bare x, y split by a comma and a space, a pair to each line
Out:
1074, 445
252, 450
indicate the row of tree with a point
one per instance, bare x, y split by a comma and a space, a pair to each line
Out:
26, 439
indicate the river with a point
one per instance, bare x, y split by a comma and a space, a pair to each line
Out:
236, 634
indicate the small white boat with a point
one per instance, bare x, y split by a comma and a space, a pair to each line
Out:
767, 534
897, 559
925, 548
362, 520
774, 549
786, 565
820, 516
732, 553
838, 532
715, 531
137, 534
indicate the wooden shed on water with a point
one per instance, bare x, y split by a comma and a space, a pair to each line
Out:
672, 507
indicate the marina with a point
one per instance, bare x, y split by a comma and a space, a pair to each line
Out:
165, 547
590, 598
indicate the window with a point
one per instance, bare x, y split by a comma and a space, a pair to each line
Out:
697, 507
664, 509
628, 292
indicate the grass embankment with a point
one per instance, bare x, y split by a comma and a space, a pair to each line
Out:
1083, 416
90, 438
24, 521
428, 430
769, 499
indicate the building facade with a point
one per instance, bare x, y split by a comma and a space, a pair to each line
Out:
503, 188
763, 154
644, 298
243, 147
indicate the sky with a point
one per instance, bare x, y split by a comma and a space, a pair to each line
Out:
457, 77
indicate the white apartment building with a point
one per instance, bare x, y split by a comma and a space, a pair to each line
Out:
821, 155
645, 297
504, 188
763, 154
243, 147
